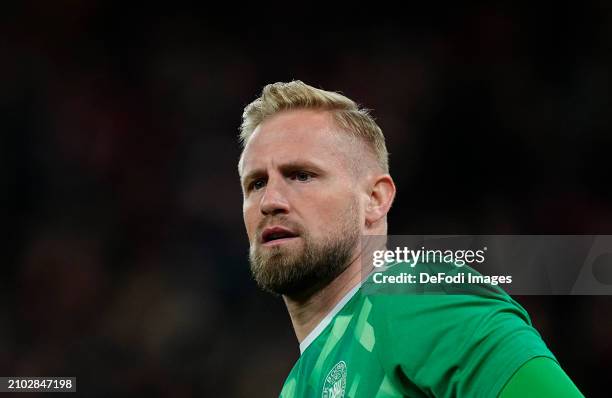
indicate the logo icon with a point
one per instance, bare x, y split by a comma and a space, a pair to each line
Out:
335, 381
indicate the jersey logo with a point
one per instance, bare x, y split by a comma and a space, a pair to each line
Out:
335, 382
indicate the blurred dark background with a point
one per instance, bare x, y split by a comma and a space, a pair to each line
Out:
124, 257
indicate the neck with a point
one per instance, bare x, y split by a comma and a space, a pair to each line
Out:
307, 313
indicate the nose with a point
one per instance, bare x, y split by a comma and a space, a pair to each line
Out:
274, 200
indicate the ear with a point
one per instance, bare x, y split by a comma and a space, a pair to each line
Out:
381, 197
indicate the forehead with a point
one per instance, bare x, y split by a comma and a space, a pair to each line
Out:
296, 135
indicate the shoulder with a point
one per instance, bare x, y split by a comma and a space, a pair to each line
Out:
468, 336
435, 289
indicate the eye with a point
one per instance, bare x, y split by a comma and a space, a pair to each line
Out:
258, 184
302, 176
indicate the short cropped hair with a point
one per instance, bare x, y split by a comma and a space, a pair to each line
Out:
349, 116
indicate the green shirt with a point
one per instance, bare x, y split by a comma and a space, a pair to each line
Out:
419, 343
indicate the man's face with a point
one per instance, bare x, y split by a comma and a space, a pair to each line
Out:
301, 204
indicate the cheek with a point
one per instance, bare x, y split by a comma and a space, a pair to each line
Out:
330, 213
249, 216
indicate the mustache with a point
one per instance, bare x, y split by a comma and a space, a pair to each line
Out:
280, 221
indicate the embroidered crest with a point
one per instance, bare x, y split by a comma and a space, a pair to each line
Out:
335, 382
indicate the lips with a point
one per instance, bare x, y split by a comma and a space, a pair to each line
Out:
277, 233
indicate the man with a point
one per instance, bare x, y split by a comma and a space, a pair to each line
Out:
315, 178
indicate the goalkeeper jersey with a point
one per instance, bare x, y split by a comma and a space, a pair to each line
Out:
420, 342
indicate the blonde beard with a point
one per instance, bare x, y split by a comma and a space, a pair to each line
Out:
289, 272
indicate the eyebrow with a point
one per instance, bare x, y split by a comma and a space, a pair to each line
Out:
284, 168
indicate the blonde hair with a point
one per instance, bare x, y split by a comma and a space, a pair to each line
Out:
347, 114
